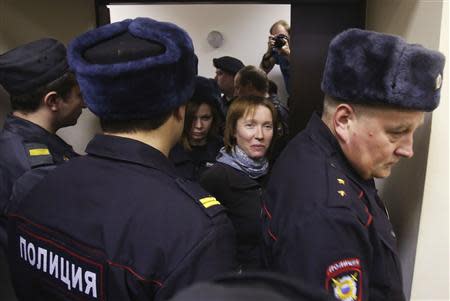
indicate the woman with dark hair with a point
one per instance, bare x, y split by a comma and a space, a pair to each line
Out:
238, 178
200, 142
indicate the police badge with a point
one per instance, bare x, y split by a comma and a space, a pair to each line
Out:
344, 280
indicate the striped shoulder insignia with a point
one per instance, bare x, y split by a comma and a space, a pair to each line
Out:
209, 202
38, 154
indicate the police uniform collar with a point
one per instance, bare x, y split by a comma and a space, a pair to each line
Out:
31, 132
18, 125
323, 137
129, 150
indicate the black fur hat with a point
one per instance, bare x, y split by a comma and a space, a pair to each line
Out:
134, 69
373, 68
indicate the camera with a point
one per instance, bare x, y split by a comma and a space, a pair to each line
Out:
280, 40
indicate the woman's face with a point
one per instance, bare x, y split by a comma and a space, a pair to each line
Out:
254, 132
201, 124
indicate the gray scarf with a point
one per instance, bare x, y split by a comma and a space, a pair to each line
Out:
239, 160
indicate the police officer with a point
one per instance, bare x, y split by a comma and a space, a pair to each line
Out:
44, 97
325, 223
118, 224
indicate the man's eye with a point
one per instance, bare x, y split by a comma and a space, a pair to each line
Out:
395, 135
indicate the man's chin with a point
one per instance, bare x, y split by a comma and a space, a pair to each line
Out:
386, 172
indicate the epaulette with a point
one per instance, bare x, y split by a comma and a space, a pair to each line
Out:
342, 192
208, 203
38, 154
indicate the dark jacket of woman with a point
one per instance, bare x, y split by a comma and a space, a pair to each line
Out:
242, 196
191, 164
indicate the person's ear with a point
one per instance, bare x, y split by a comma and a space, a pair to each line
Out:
344, 119
52, 101
179, 112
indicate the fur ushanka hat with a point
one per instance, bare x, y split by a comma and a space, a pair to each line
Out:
134, 69
373, 68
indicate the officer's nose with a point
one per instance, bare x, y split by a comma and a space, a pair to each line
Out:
405, 149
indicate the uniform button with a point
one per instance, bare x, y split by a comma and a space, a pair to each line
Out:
393, 234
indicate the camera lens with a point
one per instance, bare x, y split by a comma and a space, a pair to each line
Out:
279, 41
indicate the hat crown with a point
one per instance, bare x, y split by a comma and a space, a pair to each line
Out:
228, 64
374, 68
32, 65
139, 85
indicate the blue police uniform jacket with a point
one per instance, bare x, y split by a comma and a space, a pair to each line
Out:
116, 224
23, 146
191, 164
326, 225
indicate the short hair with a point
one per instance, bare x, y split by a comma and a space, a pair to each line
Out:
255, 77
114, 126
30, 102
241, 107
330, 103
282, 23
191, 109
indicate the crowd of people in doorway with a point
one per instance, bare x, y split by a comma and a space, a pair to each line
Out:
192, 191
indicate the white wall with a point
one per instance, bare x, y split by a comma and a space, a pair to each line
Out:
431, 271
245, 29
417, 194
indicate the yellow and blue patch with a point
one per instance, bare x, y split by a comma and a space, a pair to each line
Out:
344, 280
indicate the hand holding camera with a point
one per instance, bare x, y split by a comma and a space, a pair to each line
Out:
279, 43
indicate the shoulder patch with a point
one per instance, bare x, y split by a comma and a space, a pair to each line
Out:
38, 154
208, 203
56, 261
344, 280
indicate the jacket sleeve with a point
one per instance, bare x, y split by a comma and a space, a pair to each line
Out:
316, 230
329, 250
